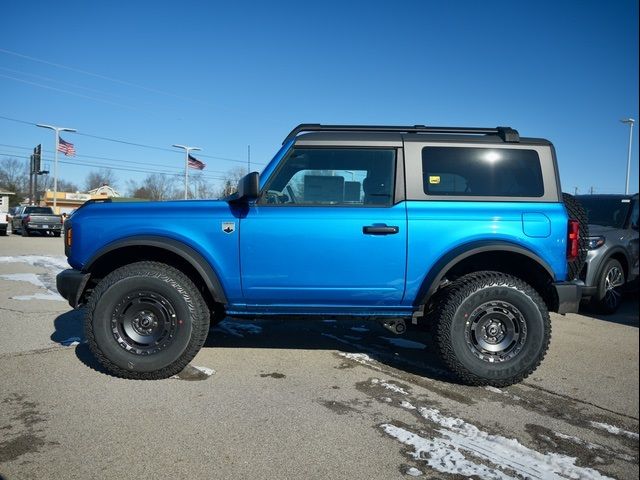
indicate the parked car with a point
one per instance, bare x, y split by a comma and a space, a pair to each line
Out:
612, 261
31, 219
465, 228
6, 221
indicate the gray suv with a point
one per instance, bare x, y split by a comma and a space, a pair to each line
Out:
612, 261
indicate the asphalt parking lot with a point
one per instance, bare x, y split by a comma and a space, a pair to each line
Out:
303, 399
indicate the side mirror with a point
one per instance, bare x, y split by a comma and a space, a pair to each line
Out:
248, 188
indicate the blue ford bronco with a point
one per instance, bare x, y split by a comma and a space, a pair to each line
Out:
464, 228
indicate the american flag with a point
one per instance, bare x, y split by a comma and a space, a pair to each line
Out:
195, 163
66, 147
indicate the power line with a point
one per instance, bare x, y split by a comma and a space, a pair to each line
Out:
97, 75
135, 144
95, 157
178, 173
67, 92
73, 85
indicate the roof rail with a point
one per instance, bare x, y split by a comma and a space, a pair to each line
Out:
507, 134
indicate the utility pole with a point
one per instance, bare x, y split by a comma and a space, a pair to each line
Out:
630, 122
187, 149
57, 131
575, 191
591, 190
248, 158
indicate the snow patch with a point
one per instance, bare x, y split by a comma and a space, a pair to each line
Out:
414, 472
389, 386
52, 263
31, 278
614, 430
463, 449
407, 405
71, 341
493, 389
40, 296
402, 343
358, 357
207, 371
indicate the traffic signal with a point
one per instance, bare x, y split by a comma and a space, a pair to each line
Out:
37, 156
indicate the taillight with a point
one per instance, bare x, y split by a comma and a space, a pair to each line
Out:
573, 240
68, 237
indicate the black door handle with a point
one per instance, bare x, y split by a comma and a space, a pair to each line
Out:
380, 230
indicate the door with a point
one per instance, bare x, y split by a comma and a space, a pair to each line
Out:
326, 231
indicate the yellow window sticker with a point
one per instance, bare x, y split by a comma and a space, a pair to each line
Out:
434, 179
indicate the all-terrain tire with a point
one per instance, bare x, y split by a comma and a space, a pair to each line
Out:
483, 298
576, 211
128, 297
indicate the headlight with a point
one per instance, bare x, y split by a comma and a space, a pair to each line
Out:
595, 242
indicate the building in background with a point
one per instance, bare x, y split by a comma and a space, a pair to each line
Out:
67, 202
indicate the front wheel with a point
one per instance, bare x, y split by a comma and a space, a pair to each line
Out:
146, 321
491, 329
610, 286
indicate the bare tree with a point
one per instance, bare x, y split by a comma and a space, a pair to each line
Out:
200, 187
230, 181
154, 187
14, 177
98, 178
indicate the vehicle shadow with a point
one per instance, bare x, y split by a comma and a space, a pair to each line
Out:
628, 313
69, 332
413, 352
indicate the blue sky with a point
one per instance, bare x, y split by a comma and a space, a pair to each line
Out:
222, 75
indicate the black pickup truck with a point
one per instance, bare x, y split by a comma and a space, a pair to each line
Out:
36, 219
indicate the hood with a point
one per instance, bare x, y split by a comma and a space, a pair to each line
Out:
600, 230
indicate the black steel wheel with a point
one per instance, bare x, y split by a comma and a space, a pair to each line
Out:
491, 328
610, 286
146, 321
495, 331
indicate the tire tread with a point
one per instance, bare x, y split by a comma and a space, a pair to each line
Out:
449, 300
197, 306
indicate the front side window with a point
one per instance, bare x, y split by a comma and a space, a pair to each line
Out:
481, 172
333, 176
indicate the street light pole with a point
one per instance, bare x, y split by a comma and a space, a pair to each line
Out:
187, 149
629, 121
57, 131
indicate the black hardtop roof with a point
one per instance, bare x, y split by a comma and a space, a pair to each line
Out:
507, 134
607, 195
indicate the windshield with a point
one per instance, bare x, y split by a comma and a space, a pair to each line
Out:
39, 210
274, 162
606, 211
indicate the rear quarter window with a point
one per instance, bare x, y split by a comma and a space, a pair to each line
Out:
481, 172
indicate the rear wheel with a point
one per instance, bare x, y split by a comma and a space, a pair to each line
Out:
146, 320
610, 286
25, 232
491, 329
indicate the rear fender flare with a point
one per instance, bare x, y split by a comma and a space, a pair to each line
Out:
435, 275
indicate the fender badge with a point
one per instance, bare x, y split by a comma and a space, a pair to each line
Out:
228, 227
